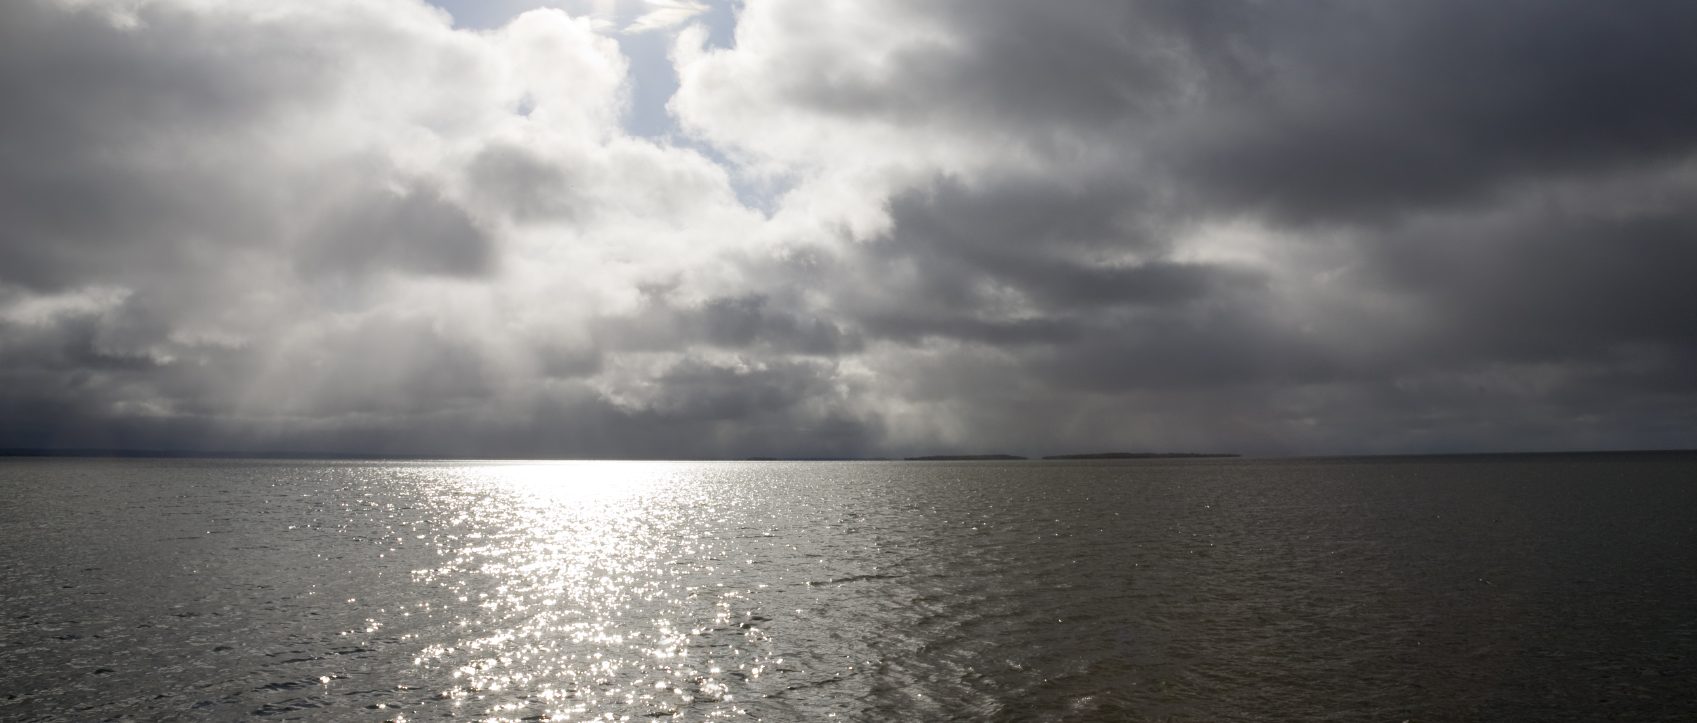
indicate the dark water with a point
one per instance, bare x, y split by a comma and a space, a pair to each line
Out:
1510, 588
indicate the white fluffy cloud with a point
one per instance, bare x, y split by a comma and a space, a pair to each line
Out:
332, 214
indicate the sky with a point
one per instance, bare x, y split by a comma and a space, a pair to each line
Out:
717, 229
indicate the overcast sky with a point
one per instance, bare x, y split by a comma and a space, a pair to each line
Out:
613, 228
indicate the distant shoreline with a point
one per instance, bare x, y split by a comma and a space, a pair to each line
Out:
966, 458
1090, 455
1086, 456
1144, 455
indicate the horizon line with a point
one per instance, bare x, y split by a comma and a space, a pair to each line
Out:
134, 453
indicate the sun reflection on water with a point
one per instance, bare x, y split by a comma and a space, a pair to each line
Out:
587, 590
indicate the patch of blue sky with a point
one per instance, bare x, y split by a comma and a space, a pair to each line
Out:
645, 31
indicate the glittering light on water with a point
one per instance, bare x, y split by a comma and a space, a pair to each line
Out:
586, 588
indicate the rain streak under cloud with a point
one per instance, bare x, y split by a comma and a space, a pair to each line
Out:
688, 229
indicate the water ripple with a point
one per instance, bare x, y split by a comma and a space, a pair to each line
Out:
861, 591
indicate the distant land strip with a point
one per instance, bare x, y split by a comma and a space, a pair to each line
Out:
1142, 455
963, 457
1089, 455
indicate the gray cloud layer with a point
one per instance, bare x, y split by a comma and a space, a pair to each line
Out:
1265, 227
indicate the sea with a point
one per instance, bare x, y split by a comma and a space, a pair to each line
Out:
1476, 588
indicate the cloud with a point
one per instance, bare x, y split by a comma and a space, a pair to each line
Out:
415, 230
1304, 206
233, 226
1292, 227
664, 14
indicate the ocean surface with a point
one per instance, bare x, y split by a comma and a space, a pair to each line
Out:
1428, 589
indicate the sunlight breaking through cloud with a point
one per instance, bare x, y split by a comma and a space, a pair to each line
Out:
843, 228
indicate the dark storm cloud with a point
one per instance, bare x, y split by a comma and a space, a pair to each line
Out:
1019, 262
1368, 109
1311, 109
1554, 280
1471, 159
1054, 246
72, 379
80, 342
